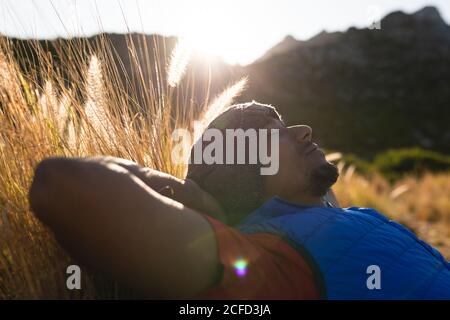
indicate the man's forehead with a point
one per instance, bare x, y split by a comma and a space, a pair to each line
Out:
275, 124
248, 116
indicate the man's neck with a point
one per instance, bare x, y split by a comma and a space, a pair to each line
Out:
301, 201
306, 200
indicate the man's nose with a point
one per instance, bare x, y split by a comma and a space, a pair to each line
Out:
301, 133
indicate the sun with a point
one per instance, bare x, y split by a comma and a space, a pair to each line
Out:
217, 31
213, 45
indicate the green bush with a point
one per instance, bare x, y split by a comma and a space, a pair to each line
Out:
393, 164
362, 166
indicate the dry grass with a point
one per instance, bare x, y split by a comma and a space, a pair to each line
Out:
45, 113
422, 204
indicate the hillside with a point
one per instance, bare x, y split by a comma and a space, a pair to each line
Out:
365, 90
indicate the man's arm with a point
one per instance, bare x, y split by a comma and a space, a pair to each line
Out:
112, 221
184, 191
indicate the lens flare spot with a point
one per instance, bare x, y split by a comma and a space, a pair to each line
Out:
240, 267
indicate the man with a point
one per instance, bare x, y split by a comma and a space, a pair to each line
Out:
229, 232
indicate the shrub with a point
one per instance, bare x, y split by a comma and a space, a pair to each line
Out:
361, 166
394, 164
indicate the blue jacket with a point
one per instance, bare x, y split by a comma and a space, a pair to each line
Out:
342, 243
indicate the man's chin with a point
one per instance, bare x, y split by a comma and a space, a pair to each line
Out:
322, 178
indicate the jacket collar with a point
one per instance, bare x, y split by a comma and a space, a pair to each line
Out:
274, 207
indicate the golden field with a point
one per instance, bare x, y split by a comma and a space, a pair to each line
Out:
45, 113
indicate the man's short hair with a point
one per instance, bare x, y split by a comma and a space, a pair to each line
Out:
238, 187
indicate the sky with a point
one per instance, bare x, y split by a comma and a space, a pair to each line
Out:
239, 31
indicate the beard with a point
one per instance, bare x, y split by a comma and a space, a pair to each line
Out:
322, 178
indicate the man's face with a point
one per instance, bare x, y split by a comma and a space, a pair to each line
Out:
303, 168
